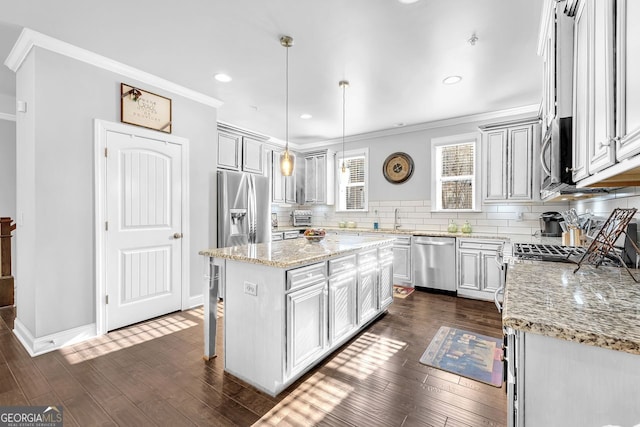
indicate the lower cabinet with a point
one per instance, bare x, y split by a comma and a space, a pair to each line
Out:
280, 322
306, 325
385, 277
343, 282
367, 285
479, 274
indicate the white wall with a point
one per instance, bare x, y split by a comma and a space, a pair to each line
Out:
8, 168
55, 180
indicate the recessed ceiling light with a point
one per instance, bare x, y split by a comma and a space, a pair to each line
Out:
305, 116
399, 124
221, 77
408, 1
451, 80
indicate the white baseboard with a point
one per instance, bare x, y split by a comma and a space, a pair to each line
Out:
193, 302
47, 343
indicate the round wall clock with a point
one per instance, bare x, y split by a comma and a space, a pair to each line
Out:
397, 168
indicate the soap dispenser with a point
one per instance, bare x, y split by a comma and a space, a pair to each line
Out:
453, 227
466, 227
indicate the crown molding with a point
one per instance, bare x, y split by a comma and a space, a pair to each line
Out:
489, 116
30, 38
8, 117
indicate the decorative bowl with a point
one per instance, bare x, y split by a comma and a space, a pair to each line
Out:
314, 234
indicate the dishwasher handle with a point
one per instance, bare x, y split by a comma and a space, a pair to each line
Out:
434, 242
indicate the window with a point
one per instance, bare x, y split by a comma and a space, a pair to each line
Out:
456, 183
353, 192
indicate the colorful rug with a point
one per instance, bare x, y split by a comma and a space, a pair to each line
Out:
401, 291
467, 354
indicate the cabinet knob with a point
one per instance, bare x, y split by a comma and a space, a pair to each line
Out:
603, 144
177, 235
568, 169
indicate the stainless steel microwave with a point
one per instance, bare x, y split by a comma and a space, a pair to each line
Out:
556, 156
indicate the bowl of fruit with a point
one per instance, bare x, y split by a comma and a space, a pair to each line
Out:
314, 234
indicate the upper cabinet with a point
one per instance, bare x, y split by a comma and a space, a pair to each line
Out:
283, 187
319, 178
628, 78
606, 113
509, 159
240, 152
556, 48
593, 142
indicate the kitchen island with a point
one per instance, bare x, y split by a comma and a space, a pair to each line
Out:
573, 344
288, 304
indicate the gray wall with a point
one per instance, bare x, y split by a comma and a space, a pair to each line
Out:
7, 168
56, 245
418, 145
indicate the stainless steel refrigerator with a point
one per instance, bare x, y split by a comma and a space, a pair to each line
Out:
244, 209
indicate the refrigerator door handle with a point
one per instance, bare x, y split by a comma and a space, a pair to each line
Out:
251, 211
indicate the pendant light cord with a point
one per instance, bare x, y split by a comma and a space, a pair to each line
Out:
286, 119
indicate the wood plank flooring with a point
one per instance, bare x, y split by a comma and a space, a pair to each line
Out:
153, 373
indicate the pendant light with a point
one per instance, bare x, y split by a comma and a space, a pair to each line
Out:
286, 161
344, 170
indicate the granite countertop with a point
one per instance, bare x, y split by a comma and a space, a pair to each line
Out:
595, 306
514, 238
296, 252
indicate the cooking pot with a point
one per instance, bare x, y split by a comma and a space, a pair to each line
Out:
550, 224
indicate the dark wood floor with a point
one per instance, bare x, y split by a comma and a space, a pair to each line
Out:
153, 374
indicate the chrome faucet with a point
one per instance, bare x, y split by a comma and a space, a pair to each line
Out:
396, 225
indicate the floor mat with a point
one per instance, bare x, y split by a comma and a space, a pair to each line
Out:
466, 353
402, 291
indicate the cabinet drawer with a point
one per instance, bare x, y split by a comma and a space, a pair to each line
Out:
485, 245
340, 265
402, 240
306, 276
276, 236
385, 255
368, 257
292, 234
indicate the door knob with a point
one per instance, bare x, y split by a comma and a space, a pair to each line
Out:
177, 235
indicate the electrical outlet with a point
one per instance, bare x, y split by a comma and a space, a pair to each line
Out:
250, 288
519, 216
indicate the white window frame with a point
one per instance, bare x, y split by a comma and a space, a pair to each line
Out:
436, 189
339, 193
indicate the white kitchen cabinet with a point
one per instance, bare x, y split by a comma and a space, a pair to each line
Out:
319, 178
600, 109
252, 155
240, 153
277, 236
628, 78
385, 277
229, 151
283, 187
479, 274
581, 122
602, 383
306, 326
367, 285
556, 48
343, 282
509, 160
402, 260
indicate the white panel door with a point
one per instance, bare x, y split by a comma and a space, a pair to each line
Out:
143, 240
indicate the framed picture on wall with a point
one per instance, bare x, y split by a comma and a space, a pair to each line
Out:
141, 108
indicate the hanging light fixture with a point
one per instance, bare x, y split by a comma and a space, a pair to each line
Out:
344, 170
286, 160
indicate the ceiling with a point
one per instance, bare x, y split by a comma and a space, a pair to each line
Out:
395, 55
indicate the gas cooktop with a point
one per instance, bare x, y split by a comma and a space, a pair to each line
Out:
554, 253
542, 252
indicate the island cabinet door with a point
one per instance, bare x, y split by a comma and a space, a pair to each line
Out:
343, 282
367, 285
306, 326
385, 256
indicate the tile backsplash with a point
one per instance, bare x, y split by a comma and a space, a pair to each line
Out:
519, 218
417, 215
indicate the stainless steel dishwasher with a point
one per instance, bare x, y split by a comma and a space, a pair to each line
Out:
434, 262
